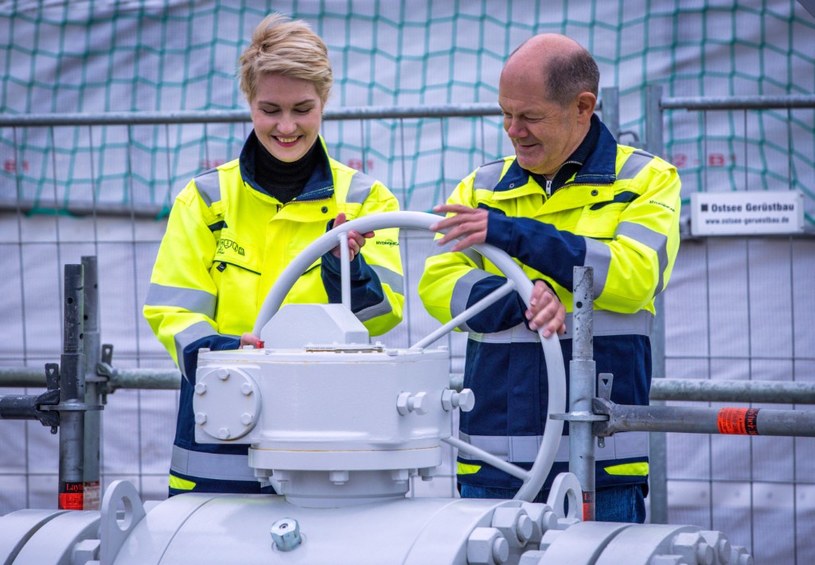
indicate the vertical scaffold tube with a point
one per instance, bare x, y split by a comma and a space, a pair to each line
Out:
92, 354
582, 386
72, 394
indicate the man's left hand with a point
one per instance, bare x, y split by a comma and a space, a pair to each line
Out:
545, 311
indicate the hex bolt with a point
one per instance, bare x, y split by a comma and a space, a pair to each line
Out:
542, 519
464, 400
200, 388
486, 546
417, 404
447, 399
500, 550
719, 543
524, 528
407, 403
247, 389
514, 524
704, 554
402, 403
427, 473
223, 374
692, 546
739, 556
247, 418
286, 534
400, 475
200, 418
224, 433
338, 477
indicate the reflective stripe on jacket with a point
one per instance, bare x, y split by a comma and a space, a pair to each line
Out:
619, 214
227, 242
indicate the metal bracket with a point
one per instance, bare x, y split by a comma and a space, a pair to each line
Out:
105, 370
602, 406
50, 397
604, 384
604, 381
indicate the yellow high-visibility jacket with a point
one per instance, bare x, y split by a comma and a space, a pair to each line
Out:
226, 243
618, 214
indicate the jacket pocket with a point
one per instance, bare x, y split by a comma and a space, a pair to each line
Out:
237, 286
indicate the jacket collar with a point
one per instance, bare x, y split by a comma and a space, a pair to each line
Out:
595, 157
319, 185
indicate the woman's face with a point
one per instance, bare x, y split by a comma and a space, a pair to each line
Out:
286, 114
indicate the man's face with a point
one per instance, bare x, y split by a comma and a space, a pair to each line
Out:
543, 133
287, 115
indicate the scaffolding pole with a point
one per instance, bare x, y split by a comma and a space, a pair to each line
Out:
696, 420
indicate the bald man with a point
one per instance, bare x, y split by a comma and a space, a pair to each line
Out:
569, 196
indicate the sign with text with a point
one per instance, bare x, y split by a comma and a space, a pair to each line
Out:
747, 212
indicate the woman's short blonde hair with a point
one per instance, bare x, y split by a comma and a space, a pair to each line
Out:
287, 47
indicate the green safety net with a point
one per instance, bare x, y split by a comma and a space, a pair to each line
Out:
95, 57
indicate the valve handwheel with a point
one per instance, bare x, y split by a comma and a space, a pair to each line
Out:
517, 280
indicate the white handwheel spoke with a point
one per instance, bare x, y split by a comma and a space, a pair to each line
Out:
345, 270
476, 308
496, 462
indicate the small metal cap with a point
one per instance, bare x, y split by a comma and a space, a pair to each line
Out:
286, 534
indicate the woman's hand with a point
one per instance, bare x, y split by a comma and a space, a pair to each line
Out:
251, 339
356, 240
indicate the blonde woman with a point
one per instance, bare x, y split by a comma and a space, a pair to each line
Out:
233, 229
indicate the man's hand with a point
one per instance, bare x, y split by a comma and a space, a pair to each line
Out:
356, 240
468, 225
545, 311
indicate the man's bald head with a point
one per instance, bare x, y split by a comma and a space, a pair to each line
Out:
561, 64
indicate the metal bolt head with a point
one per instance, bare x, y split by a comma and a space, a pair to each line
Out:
500, 550
200, 418
740, 556
247, 418
338, 477
286, 534
447, 399
514, 523
464, 400
418, 403
246, 389
402, 403
719, 543
693, 547
486, 546
200, 388
224, 433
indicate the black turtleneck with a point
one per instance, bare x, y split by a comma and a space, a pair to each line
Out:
284, 181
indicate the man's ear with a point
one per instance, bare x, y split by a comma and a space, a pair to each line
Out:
586, 102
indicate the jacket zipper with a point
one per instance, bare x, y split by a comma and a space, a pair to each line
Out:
549, 182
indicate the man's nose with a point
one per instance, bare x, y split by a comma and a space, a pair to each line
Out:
515, 128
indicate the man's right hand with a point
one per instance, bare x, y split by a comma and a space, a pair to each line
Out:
468, 225
545, 311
